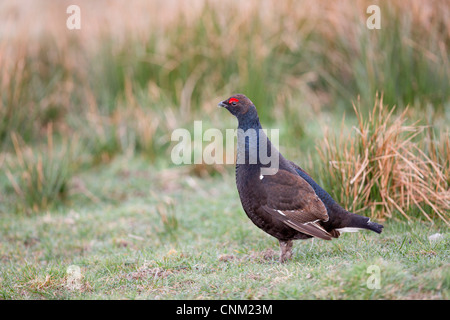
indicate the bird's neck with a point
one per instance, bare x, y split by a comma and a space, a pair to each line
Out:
249, 123
253, 146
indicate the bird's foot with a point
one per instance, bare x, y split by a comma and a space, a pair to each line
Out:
286, 250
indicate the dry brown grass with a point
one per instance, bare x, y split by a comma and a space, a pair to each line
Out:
233, 30
386, 165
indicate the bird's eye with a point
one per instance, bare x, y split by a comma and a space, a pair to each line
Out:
233, 101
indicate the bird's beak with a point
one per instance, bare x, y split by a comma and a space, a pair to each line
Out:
222, 104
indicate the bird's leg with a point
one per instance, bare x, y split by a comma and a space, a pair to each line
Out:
286, 250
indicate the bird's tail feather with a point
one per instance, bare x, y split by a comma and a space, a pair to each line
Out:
376, 227
357, 222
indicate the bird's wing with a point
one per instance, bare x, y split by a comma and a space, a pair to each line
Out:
296, 167
292, 200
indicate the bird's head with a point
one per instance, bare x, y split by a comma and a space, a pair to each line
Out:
240, 106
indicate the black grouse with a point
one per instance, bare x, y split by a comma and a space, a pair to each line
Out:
282, 199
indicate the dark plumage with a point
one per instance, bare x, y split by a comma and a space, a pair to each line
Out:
289, 204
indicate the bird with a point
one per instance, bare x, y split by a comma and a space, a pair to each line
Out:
285, 202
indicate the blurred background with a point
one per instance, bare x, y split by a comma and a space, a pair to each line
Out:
74, 101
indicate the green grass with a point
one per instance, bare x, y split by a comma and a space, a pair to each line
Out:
207, 249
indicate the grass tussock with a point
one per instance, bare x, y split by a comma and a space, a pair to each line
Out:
168, 225
40, 176
386, 165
